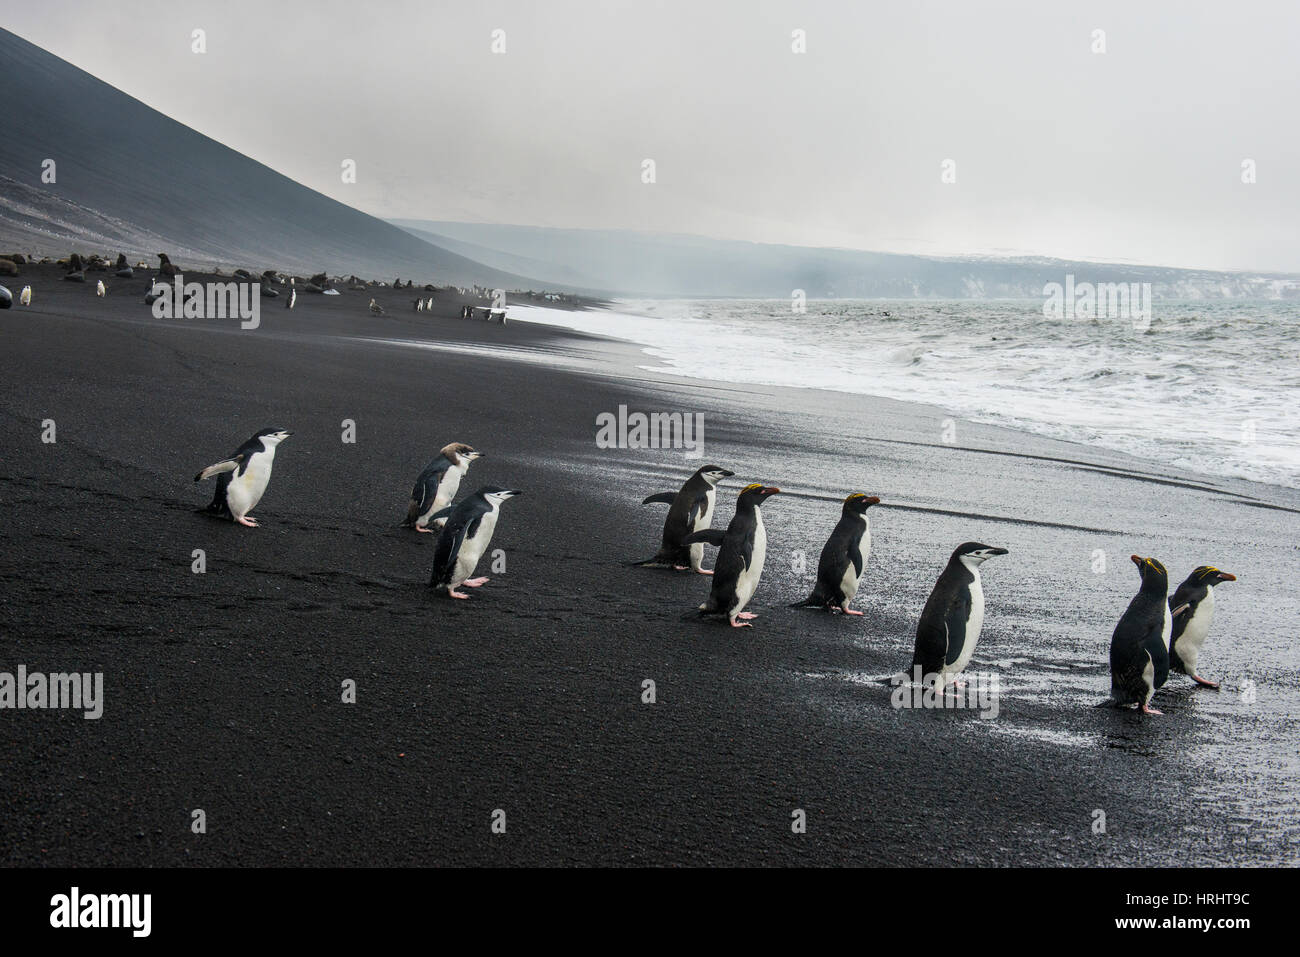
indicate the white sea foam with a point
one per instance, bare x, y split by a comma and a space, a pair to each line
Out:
1213, 387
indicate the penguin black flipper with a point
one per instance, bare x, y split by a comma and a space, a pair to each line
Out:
1154, 643
228, 465
662, 498
931, 646
709, 536
449, 544
726, 570
955, 619
442, 513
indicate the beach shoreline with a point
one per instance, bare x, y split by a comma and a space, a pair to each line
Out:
222, 689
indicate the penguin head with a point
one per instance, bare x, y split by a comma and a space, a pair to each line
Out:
713, 474
1211, 576
496, 495
1154, 576
975, 554
459, 451
756, 493
859, 502
273, 437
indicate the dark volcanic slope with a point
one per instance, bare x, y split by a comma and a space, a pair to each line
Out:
129, 176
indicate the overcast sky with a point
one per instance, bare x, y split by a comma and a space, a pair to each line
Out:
1134, 154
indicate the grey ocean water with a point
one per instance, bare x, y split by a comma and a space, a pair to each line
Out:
1210, 386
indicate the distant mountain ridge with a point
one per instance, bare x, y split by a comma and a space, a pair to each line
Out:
656, 264
129, 178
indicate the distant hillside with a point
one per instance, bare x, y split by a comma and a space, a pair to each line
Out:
652, 264
131, 179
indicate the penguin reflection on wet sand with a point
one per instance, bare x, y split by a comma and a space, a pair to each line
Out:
464, 539
742, 549
1139, 648
1194, 600
953, 616
437, 485
690, 510
843, 558
242, 479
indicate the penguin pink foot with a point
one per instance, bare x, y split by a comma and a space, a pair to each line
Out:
452, 593
740, 624
704, 571
1205, 684
421, 528
850, 611
475, 582
245, 520
746, 615
1147, 709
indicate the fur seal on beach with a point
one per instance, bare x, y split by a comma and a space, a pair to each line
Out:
76, 270
1194, 600
742, 549
122, 268
464, 539
437, 484
1139, 647
953, 616
843, 558
8, 267
242, 478
165, 266
690, 510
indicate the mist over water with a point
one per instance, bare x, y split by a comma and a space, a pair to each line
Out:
1211, 386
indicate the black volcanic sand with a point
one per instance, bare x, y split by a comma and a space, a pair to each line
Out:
223, 689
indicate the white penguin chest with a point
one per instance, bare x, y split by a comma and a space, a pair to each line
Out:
246, 489
705, 518
750, 574
1167, 627
447, 488
853, 577
1197, 630
974, 625
473, 547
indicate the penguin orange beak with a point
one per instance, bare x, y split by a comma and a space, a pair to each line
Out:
1225, 577
1137, 560
771, 490
873, 499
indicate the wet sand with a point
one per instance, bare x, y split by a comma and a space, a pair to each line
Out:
223, 689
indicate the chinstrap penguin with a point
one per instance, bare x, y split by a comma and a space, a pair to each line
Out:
742, 548
690, 510
953, 616
464, 539
242, 478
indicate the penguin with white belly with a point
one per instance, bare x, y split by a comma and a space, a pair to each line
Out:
843, 558
690, 510
1194, 601
465, 537
953, 616
742, 549
242, 479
